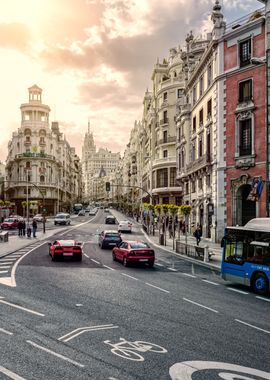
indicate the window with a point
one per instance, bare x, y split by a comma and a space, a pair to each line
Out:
209, 108
162, 178
201, 117
208, 180
42, 178
179, 93
165, 96
200, 148
187, 188
183, 158
245, 143
194, 95
208, 147
165, 153
209, 74
200, 183
245, 91
165, 117
193, 186
165, 136
193, 153
245, 52
201, 86
194, 124
172, 176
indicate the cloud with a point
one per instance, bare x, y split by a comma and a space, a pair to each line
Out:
14, 36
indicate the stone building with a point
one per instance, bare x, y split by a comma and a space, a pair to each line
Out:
40, 159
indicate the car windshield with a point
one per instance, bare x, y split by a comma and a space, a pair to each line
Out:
109, 234
139, 245
66, 243
124, 222
9, 220
61, 216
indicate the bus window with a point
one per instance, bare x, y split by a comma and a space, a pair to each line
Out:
235, 250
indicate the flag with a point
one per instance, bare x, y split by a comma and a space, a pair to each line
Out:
256, 190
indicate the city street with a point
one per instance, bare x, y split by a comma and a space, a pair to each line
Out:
100, 320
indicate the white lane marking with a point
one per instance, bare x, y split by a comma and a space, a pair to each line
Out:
82, 328
6, 332
112, 378
86, 255
9, 259
254, 327
160, 265
127, 275
22, 308
237, 291
5, 267
3, 271
77, 226
172, 269
79, 304
156, 287
88, 330
13, 281
200, 305
189, 275
95, 261
263, 299
106, 266
210, 282
10, 374
55, 354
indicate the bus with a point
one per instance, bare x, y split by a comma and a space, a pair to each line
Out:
246, 255
77, 207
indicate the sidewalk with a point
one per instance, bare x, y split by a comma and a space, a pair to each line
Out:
214, 248
15, 242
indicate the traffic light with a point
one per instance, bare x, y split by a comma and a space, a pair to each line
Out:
108, 186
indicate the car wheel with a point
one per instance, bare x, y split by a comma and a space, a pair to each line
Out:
150, 264
79, 258
55, 223
260, 284
125, 262
113, 256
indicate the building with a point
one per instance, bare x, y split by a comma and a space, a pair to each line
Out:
245, 119
93, 161
41, 162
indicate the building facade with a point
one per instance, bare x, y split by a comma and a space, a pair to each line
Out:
41, 162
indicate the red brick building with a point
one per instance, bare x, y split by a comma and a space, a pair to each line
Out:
245, 119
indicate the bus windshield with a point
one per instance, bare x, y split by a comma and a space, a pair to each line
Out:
242, 246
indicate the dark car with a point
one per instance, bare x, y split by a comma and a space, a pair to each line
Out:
109, 239
110, 219
129, 252
60, 249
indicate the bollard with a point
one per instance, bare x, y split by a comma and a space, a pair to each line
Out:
206, 254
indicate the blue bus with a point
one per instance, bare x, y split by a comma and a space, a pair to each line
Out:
246, 255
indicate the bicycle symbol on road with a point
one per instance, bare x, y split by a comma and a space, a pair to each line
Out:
185, 371
130, 350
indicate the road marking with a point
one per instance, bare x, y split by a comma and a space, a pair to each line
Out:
172, 269
263, 299
108, 267
127, 275
3, 271
55, 354
153, 286
200, 305
6, 332
112, 378
95, 261
73, 334
189, 275
10, 374
86, 255
10, 261
79, 304
160, 265
4, 267
22, 308
237, 291
254, 327
210, 282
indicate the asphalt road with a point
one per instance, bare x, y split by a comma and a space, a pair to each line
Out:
65, 320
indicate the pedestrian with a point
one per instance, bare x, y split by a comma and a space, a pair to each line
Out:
170, 227
34, 225
198, 234
28, 231
20, 228
23, 227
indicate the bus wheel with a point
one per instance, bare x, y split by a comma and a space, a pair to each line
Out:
260, 283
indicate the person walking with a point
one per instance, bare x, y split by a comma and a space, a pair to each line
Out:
170, 227
20, 228
198, 234
23, 227
34, 225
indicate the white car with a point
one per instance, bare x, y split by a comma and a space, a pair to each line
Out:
93, 211
124, 226
62, 218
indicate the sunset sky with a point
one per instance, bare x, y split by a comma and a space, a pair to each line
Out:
92, 58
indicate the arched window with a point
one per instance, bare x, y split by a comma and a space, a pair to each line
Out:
42, 178
28, 165
27, 132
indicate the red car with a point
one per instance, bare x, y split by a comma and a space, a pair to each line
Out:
9, 223
134, 252
60, 249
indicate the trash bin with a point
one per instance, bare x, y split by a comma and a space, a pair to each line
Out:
161, 239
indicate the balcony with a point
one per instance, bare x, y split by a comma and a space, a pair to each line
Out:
29, 155
164, 121
42, 143
166, 190
198, 164
168, 140
27, 142
164, 161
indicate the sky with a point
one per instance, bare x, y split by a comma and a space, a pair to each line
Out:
93, 59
